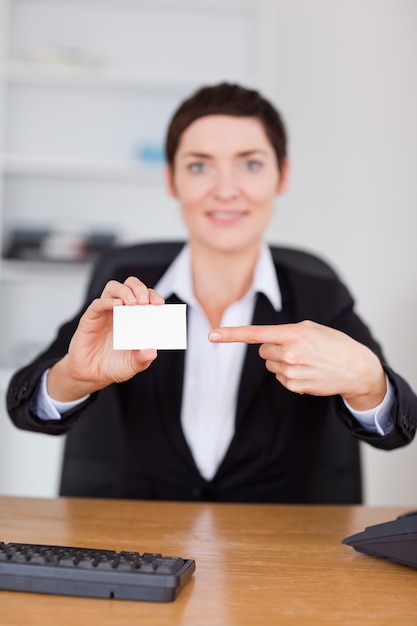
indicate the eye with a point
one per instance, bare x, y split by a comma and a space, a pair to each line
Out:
197, 167
252, 165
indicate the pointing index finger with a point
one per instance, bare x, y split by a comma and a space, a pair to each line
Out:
247, 334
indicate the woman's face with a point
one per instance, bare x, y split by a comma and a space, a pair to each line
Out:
226, 178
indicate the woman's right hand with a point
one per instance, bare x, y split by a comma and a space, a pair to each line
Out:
91, 362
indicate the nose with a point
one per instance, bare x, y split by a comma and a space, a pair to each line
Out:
225, 185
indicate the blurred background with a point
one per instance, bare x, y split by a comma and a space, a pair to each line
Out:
86, 90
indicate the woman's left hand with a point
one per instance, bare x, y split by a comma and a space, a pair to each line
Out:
307, 357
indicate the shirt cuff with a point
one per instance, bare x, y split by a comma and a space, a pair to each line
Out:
45, 407
377, 420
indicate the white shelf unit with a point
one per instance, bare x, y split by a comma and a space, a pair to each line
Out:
86, 91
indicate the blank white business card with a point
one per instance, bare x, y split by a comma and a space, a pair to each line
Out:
162, 327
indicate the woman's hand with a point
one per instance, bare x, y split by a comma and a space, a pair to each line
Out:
311, 358
91, 362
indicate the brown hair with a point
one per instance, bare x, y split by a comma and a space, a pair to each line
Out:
227, 99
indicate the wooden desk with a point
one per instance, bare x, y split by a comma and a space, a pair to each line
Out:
256, 564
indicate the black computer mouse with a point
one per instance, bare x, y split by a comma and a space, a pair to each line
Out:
395, 540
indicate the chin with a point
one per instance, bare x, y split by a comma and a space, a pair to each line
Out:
231, 245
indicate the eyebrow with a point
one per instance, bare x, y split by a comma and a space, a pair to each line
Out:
252, 152
203, 155
195, 155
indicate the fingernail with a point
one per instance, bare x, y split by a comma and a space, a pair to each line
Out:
143, 298
215, 336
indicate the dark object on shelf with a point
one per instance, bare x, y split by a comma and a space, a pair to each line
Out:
58, 245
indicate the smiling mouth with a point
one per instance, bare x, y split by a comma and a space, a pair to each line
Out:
226, 216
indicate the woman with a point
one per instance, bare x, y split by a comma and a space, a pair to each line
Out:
230, 421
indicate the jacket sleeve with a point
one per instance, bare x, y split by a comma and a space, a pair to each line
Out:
319, 295
404, 409
403, 416
24, 382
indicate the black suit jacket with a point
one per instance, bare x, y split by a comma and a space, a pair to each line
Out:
281, 438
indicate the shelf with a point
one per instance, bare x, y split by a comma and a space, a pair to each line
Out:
128, 171
196, 5
91, 76
14, 270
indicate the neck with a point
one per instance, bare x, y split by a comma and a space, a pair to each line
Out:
221, 278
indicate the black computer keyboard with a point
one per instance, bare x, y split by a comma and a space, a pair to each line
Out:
90, 572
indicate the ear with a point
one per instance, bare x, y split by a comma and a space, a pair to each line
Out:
283, 178
169, 181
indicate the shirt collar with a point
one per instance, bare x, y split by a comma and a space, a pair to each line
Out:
178, 279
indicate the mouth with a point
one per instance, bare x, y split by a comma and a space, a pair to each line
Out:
226, 217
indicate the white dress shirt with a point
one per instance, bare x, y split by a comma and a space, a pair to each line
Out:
212, 371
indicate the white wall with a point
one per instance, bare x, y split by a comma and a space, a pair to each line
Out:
343, 74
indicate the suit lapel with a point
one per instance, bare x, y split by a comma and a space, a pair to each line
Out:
170, 376
254, 370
